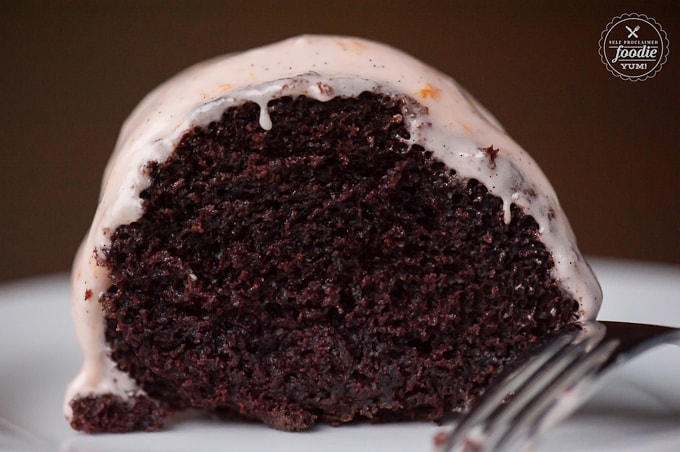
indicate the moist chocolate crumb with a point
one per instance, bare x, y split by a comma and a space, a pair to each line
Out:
491, 153
112, 414
323, 270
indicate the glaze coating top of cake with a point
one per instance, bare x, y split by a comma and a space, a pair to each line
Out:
440, 116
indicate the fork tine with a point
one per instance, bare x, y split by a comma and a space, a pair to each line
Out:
531, 420
515, 380
551, 385
503, 421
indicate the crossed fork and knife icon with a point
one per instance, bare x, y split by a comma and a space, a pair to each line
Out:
633, 32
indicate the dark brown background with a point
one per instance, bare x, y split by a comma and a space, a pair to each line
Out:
72, 71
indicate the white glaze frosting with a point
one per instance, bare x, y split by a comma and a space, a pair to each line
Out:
444, 119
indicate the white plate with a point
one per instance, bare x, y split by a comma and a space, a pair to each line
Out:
638, 409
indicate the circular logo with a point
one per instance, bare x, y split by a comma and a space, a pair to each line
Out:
633, 47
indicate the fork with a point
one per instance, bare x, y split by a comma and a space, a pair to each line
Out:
548, 386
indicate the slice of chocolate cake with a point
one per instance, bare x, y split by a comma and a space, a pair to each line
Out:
321, 230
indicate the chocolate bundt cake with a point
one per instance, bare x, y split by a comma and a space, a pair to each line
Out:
320, 230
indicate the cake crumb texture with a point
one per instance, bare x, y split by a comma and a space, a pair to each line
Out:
113, 414
323, 270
